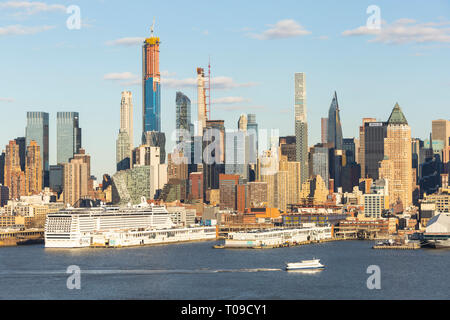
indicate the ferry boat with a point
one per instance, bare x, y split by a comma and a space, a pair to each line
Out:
117, 227
305, 265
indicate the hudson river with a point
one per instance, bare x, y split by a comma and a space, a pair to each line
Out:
197, 271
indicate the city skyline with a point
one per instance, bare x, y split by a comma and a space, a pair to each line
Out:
238, 88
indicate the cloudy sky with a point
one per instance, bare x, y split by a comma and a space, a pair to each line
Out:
254, 47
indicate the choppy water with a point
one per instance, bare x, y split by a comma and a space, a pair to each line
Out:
197, 271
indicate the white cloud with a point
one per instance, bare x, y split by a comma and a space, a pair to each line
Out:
119, 76
179, 83
29, 8
166, 73
130, 41
22, 30
6, 99
228, 83
218, 83
287, 28
404, 31
230, 100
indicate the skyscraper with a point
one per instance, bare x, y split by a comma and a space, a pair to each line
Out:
69, 136
362, 145
126, 116
22, 144
301, 125
201, 101
397, 164
124, 143
335, 142
213, 162
151, 85
14, 177
183, 113
374, 135
123, 151
324, 130
75, 181
2, 167
38, 130
33, 168
334, 128
252, 131
441, 131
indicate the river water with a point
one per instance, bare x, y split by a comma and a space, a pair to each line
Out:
197, 271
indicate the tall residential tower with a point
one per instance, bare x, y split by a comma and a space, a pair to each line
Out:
301, 125
151, 85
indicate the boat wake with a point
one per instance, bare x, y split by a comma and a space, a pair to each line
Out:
139, 271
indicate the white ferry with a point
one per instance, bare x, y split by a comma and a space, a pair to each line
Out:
117, 227
305, 265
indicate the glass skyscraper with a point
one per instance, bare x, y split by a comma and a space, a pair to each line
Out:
183, 120
37, 130
69, 136
151, 84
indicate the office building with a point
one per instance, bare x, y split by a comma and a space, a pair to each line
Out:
38, 130
441, 131
362, 143
335, 143
396, 166
68, 136
374, 135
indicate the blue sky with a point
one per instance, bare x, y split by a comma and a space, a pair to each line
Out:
255, 49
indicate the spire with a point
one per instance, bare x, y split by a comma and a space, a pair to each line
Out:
397, 116
152, 28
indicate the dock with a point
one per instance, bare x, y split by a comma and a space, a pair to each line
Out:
413, 246
21, 237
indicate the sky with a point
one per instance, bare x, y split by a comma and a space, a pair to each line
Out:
372, 58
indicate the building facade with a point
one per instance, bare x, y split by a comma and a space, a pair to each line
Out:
68, 136
38, 130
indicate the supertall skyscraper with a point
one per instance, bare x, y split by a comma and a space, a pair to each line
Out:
151, 96
37, 130
151, 85
301, 125
69, 136
397, 164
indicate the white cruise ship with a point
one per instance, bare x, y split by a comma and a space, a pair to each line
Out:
117, 227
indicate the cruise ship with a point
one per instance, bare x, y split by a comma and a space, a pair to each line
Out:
117, 227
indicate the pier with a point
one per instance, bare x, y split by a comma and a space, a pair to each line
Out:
19, 237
